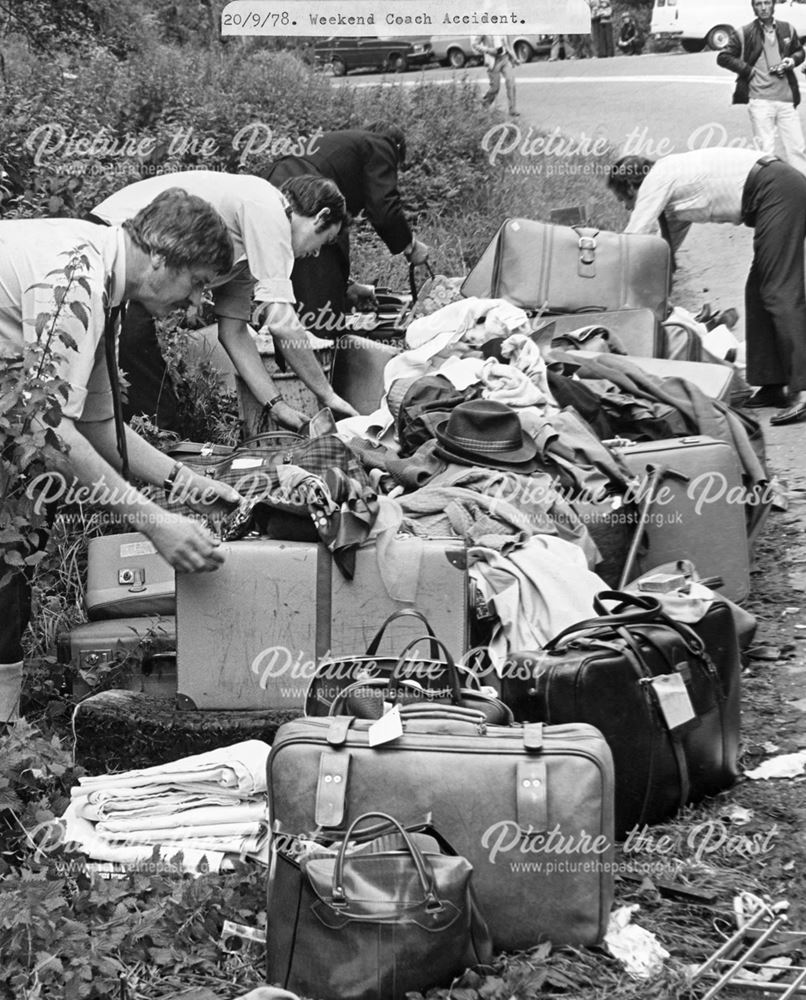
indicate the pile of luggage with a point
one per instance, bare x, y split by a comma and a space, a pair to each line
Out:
527, 761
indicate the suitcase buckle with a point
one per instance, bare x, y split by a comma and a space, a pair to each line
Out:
587, 249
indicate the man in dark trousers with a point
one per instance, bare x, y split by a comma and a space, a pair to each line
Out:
363, 163
764, 55
738, 186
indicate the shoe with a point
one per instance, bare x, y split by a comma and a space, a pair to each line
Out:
792, 414
767, 395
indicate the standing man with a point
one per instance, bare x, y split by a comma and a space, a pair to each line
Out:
735, 185
162, 259
269, 229
499, 60
364, 164
764, 55
601, 28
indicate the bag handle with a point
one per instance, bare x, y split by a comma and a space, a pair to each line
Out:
272, 440
449, 666
338, 895
372, 648
646, 612
686, 633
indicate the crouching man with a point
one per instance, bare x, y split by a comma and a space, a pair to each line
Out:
60, 282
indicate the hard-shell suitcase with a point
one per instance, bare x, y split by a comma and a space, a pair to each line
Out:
127, 577
698, 508
637, 331
716, 381
140, 653
529, 807
538, 265
618, 673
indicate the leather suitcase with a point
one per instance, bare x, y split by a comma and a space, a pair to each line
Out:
701, 517
637, 330
538, 265
601, 672
140, 653
357, 372
127, 577
715, 381
503, 796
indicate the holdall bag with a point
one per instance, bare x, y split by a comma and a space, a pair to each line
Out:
537, 265
670, 717
375, 922
530, 807
362, 685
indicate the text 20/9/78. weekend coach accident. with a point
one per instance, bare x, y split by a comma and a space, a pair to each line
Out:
262, 19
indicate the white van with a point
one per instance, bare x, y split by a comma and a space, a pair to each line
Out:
698, 23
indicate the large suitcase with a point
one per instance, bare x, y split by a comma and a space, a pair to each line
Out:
715, 381
251, 634
538, 265
136, 654
358, 365
127, 577
698, 511
529, 807
636, 330
615, 673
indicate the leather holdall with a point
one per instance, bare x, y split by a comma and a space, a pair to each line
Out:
538, 265
372, 920
530, 807
668, 711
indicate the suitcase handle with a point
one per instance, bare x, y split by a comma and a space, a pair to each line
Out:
452, 674
372, 648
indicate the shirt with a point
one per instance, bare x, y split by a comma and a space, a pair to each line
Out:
256, 215
29, 249
704, 185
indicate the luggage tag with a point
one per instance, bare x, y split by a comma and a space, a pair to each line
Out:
673, 700
386, 729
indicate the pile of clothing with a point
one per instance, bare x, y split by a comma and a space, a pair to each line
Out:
195, 814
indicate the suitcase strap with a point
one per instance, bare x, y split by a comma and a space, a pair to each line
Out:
586, 262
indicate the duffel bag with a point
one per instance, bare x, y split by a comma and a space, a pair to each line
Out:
649, 685
537, 265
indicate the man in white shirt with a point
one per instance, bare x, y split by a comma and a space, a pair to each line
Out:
764, 55
162, 258
736, 186
269, 229
499, 60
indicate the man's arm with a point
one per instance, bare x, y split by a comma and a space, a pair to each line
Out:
282, 322
654, 195
795, 51
731, 57
239, 345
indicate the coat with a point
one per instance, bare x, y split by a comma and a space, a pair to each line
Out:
742, 51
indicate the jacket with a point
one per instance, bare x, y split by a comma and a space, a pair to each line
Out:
742, 51
488, 46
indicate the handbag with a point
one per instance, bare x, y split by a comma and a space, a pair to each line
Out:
538, 265
372, 921
362, 685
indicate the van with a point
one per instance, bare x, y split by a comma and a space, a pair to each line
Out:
701, 23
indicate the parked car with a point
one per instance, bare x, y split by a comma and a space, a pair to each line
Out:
698, 23
456, 50
391, 54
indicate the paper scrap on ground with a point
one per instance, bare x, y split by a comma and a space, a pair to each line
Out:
636, 948
788, 765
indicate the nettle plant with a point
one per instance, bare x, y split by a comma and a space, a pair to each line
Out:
31, 396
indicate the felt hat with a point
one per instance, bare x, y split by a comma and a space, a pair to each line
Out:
486, 432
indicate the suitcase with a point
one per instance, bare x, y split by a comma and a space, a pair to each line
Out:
699, 509
251, 634
127, 577
636, 330
604, 672
537, 265
357, 373
530, 808
140, 653
715, 381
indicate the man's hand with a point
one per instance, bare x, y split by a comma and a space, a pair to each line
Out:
205, 495
288, 416
359, 295
186, 545
419, 253
338, 406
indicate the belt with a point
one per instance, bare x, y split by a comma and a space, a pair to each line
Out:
759, 165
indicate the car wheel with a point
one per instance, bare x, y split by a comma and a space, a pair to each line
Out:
338, 67
397, 63
718, 37
456, 58
692, 44
524, 51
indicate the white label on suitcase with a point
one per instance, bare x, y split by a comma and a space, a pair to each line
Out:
144, 548
386, 729
673, 699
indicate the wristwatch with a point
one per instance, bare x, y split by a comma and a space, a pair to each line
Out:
269, 406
